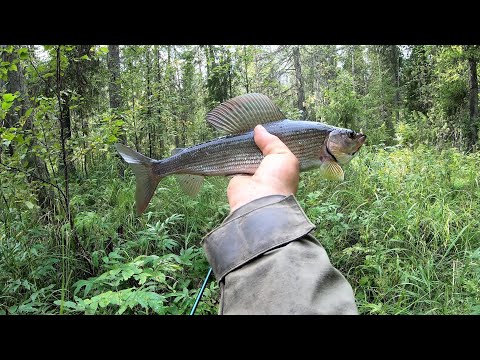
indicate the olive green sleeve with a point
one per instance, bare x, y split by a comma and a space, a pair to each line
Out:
267, 262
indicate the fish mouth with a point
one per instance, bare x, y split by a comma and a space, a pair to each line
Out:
361, 139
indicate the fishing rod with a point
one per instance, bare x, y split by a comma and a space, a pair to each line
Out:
201, 292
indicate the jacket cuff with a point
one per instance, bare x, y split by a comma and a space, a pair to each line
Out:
254, 229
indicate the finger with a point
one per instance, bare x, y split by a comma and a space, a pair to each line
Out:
268, 143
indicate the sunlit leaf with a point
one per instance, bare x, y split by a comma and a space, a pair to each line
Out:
29, 205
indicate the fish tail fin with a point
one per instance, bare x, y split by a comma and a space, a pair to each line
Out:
146, 180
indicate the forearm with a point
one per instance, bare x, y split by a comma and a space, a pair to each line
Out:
267, 263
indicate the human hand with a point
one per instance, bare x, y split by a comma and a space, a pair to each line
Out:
278, 173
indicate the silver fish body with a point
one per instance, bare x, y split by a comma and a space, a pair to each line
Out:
316, 145
238, 154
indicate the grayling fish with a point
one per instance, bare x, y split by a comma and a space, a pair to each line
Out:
316, 145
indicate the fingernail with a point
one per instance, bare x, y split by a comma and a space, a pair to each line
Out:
262, 128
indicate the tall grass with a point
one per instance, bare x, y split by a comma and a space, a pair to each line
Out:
403, 228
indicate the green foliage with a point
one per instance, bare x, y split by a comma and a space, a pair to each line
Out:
220, 74
7, 102
401, 228
417, 129
436, 84
344, 106
28, 268
146, 273
159, 281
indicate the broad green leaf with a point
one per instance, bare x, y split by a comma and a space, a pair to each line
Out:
104, 299
115, 255
9, 97
112, 139
114, 272
160, 277
142, 278
8, 136
29, 205
122, 309
115, 298
92, 309
81, 283
128, 272
22, 53
68, 304
19, 139
142, 299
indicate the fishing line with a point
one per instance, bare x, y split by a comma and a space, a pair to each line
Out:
201, 292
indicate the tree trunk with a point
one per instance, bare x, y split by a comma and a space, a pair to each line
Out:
113, 61
353, 66
149, 100
472, 135
83, 68
77, 78
114, 85
114, 92
246, 68
396, 63
229, 77
299, 82
385, 111
158, 79
137, 142
66, 129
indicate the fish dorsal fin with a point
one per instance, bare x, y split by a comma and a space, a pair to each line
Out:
243, 113
190, 184
331, 170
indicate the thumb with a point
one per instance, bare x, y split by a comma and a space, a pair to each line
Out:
268, 143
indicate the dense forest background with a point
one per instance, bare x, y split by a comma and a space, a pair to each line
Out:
403, 227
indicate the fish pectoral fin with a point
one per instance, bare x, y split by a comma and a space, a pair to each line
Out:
332, 171
243, 113
190, 184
